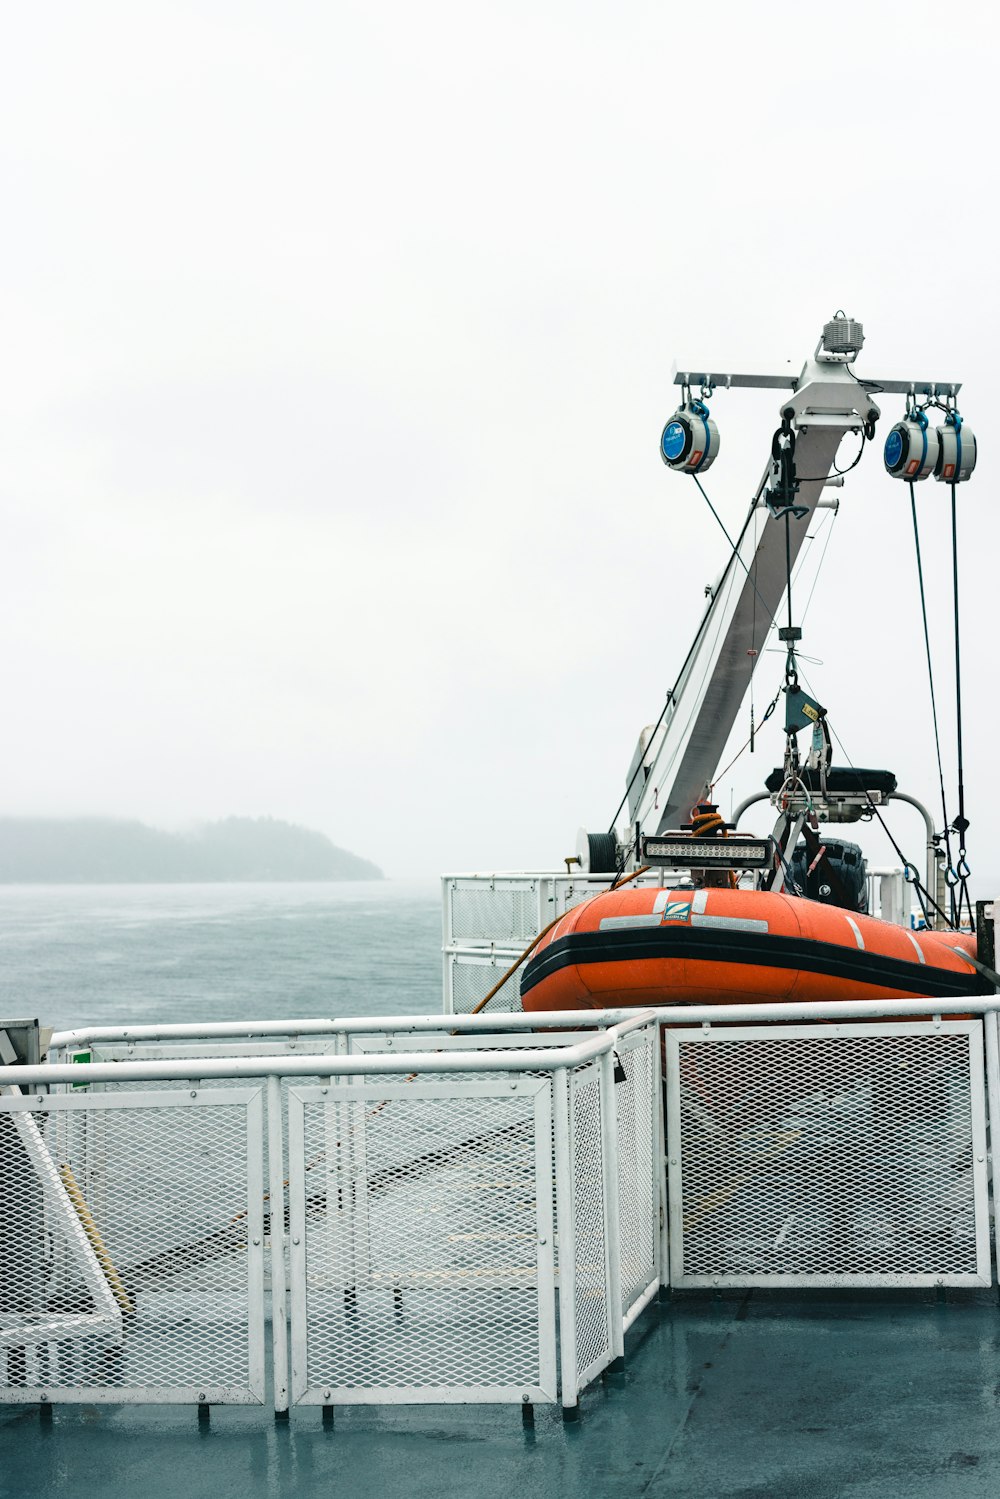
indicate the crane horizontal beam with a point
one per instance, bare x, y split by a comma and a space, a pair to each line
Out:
687, 374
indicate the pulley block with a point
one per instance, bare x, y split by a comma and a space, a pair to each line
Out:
690, 440
911, 448
956, 457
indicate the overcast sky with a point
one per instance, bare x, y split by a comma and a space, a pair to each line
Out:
335, 350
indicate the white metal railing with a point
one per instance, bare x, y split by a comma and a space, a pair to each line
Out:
489, 919
132, 1259
426, 1159
395, 1158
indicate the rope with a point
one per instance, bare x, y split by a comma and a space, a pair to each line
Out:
672, 693
734, 553
734, 545
916, 882
617, 884
753, 732
930, 676
711, 824
961, 822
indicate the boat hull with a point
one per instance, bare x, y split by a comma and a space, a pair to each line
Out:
660, 947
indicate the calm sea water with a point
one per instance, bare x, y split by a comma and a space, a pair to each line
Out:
87, 954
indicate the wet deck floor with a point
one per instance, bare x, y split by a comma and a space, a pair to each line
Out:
830, 1396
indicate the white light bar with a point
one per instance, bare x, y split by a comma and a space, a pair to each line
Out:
679, 852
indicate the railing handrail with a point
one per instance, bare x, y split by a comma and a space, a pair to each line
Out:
718, 1014
347, 1025
182, 1069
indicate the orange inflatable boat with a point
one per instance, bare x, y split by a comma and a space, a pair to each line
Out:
657, 947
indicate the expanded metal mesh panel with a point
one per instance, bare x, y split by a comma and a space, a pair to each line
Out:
144, 1212
470, 978
565, 894
422, 1246
639, 1204
504, 912
195, 1050
593, 1324
828, 1156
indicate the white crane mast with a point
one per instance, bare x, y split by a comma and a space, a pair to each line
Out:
673, 767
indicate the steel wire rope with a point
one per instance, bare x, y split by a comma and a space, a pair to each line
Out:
616, 884
734, 555
699, 634
930, 678
916, 882
827, 524
961, 822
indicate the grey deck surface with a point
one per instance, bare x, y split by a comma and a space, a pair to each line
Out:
760, 1395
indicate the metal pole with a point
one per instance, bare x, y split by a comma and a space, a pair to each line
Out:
566, 1236
931, 872
992, 1038
750, 801
660, 1164
612, 1211
276, 1216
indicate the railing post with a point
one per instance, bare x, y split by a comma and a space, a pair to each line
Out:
612, 1210
992, 1039
566, 1235
279, 1289
660, 1157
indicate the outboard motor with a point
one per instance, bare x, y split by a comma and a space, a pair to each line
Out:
836, 876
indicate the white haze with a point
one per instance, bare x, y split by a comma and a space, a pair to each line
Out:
335, 350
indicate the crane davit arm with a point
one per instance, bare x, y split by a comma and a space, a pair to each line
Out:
827, 401
673, 765
676, 761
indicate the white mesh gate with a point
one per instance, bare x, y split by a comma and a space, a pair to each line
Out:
591, 1272
847, 1155
422, 1242
637, 1083
131, 1264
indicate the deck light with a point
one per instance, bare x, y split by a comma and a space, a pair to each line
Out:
680, 850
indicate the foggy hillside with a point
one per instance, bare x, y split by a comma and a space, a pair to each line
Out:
101, 850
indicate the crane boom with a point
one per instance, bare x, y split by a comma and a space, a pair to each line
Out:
671, 771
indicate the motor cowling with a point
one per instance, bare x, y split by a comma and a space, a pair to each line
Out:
912, 448
690, 440
848, 887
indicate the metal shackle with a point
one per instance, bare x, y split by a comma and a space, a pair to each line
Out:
911, 448
957, 452
690, 440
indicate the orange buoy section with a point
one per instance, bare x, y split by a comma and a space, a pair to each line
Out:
657, 947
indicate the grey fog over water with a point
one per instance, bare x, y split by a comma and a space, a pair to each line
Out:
337, 346
75, 955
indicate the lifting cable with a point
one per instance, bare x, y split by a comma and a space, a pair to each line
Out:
616, 883
924, 896
961, 822
734, 554
930, 678
735, 545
